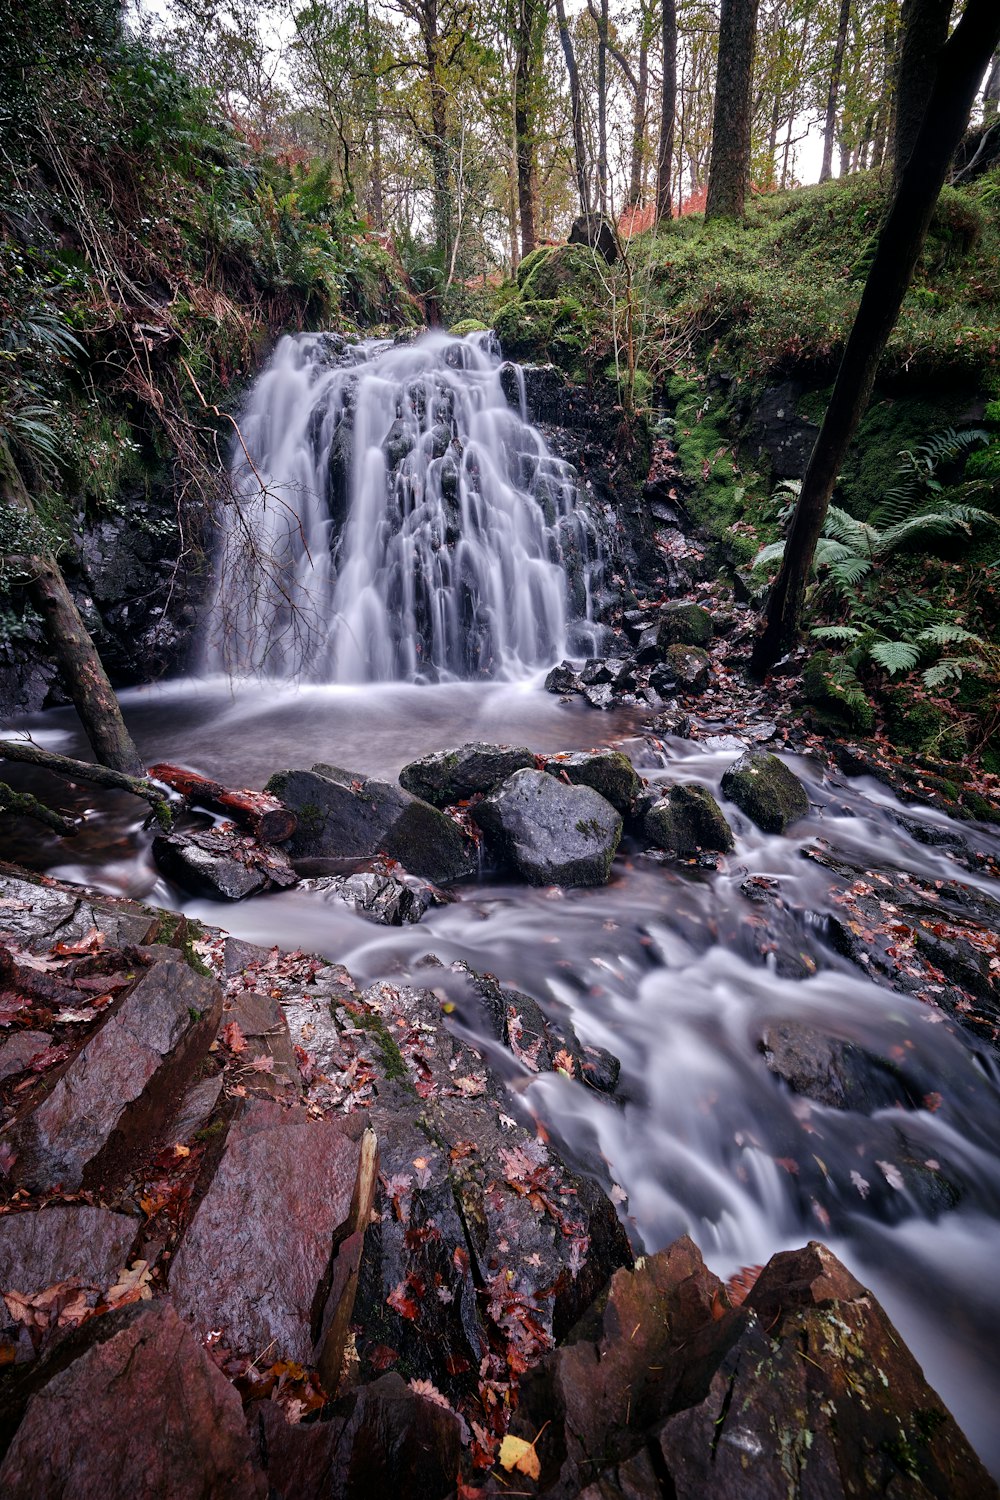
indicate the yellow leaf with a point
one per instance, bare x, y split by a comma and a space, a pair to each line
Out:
515, 1453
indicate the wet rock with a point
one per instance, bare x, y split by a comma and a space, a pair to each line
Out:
551, 833
687, 819
376, 894
449, 776
265, 1031
221, 864
804, 1389
562, 679
141, 1411
16, 1053
383, 1439
399, 441
607, 771
600, 695
596, 233
39, 915
765, 789
684, 625
284, 1181
346, 815
619, 671
196, 1108
832, 1072
780, 433
690, 666
673, 723
106, 1106
64, 1242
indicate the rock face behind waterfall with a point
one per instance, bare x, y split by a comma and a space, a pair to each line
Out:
411, 526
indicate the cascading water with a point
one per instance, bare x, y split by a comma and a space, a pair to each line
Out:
396, 519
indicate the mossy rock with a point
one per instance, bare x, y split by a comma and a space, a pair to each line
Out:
554, 330
765, 789
834, 709
550, 273
686, 820
607, 771
915, 724
467, 325
686, 625
691, 666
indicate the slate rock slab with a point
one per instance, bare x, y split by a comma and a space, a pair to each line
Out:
18, 1051
551, 833
222, 864
142, 1413
607, 771
64, 1242
119, 1090
765, 789
383, 1439
37, 916
255, 1258
346, 815
449, 776
806, 1389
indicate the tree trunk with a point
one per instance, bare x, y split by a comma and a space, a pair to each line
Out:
924, 32
830, 125
375, 126
266, 817
729, 165
524, 136
665, 150
83, 674
602, 108
576, 107
959, 72
638, 160
25, 753
991, 91
885, 119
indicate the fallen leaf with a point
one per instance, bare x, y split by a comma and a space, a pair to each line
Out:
516, 1453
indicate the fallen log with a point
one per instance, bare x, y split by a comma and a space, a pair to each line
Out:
83, 770
269, 820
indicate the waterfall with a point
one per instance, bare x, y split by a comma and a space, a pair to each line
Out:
394, 517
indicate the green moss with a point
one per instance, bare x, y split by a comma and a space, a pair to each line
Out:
468, 325
393, 1063
835, 708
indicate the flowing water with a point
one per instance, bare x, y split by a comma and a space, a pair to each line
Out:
396, 518
664, 966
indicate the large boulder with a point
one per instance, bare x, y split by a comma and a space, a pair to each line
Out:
686, 819
550, 833
343, 814
106, 1106
256, 1258
449, 776
805, 1389
684, 625
690, 666
141, 1411
765, 789
607, 771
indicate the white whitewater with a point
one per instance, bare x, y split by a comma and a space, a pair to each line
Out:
396, 519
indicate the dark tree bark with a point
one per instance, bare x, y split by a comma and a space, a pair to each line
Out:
27, 754
525, 84
602, 107
83, 673
729, 166
959, 72
991, 91
267, 818
924, 31
576, 107
665, 149
830, 124
885, 119
375, 126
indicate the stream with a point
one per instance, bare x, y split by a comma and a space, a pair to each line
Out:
472, 565
658, 968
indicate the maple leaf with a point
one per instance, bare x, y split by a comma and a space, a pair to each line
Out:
563, 1062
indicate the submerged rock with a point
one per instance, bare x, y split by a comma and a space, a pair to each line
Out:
687, 819
766, 790
607, 771
448, 776
380, 894
551, 833
344, 814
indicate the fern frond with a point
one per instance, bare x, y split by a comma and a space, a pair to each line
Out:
948, 635
772, 553
896, 656
850, 570
835, 632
